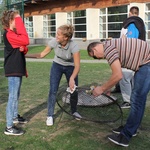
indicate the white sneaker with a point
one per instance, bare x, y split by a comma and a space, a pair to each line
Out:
49, 121
77, 116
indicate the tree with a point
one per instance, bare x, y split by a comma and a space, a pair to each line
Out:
2, 8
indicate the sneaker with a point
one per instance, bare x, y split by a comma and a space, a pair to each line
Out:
126, 105
116, 89
13, 131
119, 139
118, 130
49, 121
77, 116
19, 119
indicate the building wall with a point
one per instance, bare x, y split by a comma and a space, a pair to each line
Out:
53, 6
92, 17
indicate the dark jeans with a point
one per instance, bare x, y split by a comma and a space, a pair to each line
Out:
56, 73
138, 100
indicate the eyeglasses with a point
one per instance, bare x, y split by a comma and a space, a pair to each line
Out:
95, 57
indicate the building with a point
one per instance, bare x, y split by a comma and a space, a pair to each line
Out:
92, 19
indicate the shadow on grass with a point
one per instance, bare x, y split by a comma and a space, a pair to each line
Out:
32, 112
3, 95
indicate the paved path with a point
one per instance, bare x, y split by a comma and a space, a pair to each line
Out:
50, 60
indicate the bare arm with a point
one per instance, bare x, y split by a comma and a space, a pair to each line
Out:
46, 51
115, 77
76, 70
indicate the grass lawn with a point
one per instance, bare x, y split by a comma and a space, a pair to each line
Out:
67, 133
37, 49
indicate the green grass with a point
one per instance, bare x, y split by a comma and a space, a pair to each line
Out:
38, 49
67, 133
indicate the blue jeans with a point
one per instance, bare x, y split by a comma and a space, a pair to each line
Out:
138, 100
14, 85
56, 73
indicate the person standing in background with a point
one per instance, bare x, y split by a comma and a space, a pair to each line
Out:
133, 27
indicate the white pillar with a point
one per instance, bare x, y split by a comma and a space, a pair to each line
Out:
38, 26
92, 22
61, 19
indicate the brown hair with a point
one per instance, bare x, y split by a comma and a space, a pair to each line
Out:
67, 30
134, 10
7, 17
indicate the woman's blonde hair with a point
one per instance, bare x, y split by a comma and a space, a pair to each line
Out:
7, 17
67, 30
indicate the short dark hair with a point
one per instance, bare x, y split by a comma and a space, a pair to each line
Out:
91, 46
134, 10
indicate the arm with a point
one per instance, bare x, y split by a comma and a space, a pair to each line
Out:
46, 51
123, 33
115, 77
76, 70
20, 37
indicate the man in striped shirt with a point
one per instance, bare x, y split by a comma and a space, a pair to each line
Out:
132, 54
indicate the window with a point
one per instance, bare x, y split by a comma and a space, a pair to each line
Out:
49, 26
147, 20
110, 21
29, 26
78, 20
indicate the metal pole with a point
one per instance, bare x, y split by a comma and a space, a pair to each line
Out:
7, 5
23, 10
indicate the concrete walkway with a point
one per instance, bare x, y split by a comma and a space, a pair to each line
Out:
50, 60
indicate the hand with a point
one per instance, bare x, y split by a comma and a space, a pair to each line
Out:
71, 84
108, 92
17, 15
21, 49
97, 91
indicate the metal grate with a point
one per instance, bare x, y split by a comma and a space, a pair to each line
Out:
85, 99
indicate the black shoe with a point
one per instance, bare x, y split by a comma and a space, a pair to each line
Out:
126, 105
116, 89
119, 139
118, 130
13, 131
19, 119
